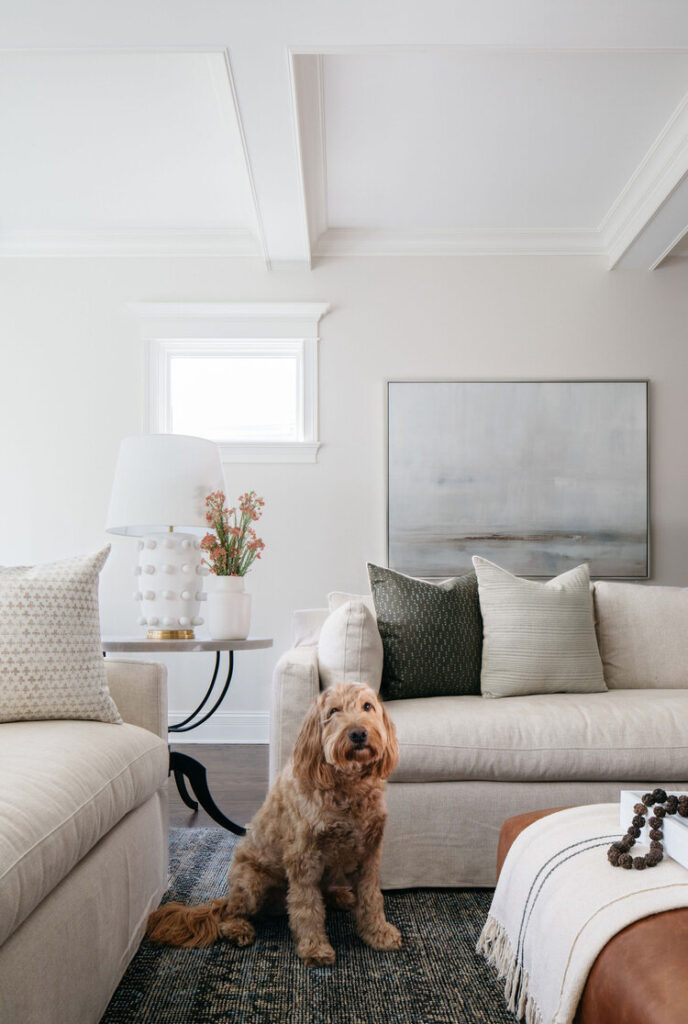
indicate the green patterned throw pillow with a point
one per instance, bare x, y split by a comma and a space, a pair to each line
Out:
432, 634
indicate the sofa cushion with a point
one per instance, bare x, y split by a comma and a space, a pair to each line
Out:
619, 734
63, 786
643, 635
432, 634
537, 637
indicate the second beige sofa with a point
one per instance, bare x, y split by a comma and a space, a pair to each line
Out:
467, 763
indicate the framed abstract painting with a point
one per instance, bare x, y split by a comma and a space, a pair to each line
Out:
537, 476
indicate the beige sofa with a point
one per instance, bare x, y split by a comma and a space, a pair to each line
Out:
468, 763
83, 850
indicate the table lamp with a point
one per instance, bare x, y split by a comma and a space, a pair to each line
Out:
159, 490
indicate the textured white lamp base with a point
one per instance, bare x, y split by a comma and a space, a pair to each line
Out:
170, 585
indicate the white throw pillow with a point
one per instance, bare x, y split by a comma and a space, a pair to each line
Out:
337, 598
51, 659
537, 637
350, 647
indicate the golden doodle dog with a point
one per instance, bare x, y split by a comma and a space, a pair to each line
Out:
317, 837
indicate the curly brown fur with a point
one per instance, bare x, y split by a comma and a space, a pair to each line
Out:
317, 837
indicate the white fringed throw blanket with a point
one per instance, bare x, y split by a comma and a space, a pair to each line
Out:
558, 902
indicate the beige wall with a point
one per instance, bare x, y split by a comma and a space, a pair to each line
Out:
71, 386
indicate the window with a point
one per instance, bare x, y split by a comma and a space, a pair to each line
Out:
243, 375
231, 391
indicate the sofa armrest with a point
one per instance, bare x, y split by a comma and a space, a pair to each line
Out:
139, 689
295, 685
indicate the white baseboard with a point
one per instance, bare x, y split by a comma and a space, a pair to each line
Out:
225, 727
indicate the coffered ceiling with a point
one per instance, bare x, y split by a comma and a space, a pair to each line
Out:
132, 149
297, 132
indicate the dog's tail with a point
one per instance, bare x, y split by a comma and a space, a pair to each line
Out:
177, 925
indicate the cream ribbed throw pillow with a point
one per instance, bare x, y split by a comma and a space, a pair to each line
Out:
537, 637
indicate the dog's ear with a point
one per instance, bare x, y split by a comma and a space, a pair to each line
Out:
309, 761
390, 756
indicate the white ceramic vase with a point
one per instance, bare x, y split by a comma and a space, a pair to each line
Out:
228, 608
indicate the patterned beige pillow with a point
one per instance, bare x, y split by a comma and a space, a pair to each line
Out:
51, 660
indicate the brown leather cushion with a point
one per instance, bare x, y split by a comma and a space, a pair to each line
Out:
640, 976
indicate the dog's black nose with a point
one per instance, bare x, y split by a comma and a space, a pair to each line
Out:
358, 736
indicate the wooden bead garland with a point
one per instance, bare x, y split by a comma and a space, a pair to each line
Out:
618, 853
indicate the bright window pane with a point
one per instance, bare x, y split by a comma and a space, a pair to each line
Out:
235, 398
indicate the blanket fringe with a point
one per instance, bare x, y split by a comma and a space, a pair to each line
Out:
494, 944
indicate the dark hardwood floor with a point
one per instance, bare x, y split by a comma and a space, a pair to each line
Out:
237, 779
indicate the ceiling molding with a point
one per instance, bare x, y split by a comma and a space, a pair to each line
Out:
640, 228
659, 172
260, 230
384, 49
381, 242
126, 242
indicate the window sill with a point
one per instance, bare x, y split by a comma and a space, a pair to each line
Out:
270, 451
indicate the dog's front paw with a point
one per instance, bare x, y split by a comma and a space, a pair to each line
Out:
315, 954
386, 936
238, 930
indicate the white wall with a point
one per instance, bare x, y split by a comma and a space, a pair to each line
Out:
71, 386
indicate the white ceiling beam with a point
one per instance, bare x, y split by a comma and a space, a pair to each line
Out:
649, 216
308, 107
264, 105
661, 234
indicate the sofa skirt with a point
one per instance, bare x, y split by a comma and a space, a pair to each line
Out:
63, 963
445, 834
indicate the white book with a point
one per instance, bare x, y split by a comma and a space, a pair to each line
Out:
675, 827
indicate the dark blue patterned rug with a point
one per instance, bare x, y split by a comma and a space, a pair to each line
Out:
437, 978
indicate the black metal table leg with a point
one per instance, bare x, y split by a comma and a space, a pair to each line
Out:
188, 723
182, 764
181, 786
188, 768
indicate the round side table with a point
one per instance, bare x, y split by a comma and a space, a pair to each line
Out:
182, 766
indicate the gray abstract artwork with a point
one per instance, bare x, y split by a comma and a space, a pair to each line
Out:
537, 476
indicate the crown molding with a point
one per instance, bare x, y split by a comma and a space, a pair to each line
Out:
129, 242
381, 242
657, 175
257, 216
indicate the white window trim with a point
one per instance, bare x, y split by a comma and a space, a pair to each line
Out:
166, 327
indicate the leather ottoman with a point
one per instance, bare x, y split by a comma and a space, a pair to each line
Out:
641, 976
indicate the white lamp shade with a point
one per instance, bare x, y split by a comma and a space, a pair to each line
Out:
162, 480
